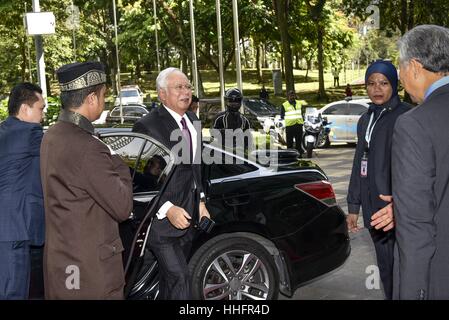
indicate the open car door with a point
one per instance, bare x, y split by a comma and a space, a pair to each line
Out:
150, 165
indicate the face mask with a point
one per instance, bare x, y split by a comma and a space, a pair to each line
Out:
291, 100
233, 107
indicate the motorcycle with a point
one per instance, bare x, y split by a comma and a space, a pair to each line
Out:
316, 131
275, 126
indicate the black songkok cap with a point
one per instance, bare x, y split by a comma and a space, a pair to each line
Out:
80, 75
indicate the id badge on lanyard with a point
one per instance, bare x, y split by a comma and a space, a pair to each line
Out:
364, 165
368, 134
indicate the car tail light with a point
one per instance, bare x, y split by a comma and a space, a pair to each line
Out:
321, 190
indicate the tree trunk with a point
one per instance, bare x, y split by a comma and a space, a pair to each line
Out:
282, 16
321, 91
411, 16
201, 92
184, 62
297, 59
138, 67
404, 22
245, 53
23, 65
307, 70
264, 60
259, 63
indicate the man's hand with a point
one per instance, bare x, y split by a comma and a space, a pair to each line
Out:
384, 218
351, 221
203, 210
178, 217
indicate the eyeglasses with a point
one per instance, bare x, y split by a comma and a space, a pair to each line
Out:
180, 87
382, 84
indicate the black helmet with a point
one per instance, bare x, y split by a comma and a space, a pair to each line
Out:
233, 98
233, 95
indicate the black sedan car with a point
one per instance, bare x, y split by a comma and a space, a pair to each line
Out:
255, 109
277, 226
131, 113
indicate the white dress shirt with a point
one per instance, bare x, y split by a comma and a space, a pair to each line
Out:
162, 213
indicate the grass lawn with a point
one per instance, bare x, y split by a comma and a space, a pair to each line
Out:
306, 89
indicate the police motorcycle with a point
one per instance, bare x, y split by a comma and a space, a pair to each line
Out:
315, 131
275, 126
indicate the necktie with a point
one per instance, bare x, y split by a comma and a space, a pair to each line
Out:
188, 136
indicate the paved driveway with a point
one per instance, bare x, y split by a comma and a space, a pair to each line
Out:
349, 281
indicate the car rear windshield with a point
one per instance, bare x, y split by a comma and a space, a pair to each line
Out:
129, 111
261, 108
129, 93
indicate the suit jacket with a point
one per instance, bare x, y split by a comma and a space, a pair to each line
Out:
420, 168
87, 192
185, 184
365, 191
21, 203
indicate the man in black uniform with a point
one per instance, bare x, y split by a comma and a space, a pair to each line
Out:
232, 119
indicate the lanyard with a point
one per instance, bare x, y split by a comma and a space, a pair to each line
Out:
370, 128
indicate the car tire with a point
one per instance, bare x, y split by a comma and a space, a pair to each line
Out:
217, 274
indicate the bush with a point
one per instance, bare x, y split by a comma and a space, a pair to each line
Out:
54, 107
3, 109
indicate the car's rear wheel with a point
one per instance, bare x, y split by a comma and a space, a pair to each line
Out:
235, 268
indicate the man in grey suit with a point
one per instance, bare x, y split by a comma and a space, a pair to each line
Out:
420, 168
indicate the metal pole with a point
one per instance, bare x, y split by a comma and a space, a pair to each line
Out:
192, 35
74, 44
220, 54
157, 40
30, 75
235, 16
40, 57
73, 33
118, 63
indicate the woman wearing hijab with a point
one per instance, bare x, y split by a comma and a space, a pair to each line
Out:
370, 184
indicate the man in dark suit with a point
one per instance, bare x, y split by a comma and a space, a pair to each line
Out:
181, 203
21, 204
420, 168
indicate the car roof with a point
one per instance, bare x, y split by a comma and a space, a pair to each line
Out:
363, 102
132, 104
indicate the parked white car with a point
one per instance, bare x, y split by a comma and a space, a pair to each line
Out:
129, 95
343, 116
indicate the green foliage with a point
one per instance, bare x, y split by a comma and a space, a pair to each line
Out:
3, 109
54, 107
259, 32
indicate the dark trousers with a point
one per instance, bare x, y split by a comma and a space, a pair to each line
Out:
336, 81
37, 276
14, 270
172, 254
384, 246
294, 132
